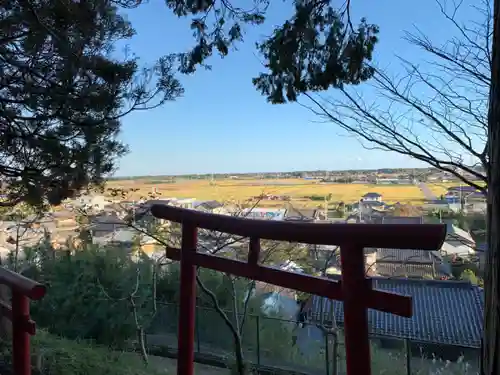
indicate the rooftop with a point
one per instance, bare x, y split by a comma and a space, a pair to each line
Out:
403, 220
444, 312
293, 214
406, 256
413, 271
372, 195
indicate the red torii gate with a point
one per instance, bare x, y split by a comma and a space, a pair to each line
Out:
354, 289
22, 289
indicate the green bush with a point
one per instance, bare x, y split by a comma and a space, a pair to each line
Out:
88, 296
57, 356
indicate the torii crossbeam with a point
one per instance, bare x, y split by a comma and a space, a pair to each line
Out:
354, 289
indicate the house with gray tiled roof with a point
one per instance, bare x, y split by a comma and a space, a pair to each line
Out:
444, 312
402, 263
458, 242
372, 197
402, 220
295, 214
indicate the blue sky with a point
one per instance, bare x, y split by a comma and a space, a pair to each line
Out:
222, 124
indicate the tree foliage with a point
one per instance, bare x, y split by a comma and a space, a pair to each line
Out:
434, 111
63, 92
317, 48
314, 51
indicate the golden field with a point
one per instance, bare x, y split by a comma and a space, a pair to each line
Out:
297, 189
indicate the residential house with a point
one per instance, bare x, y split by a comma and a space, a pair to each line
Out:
409, 263
184, 202
458, 242
366, 212
264, 213
475, 202
444, 312
303, 215
412, 264
461, 190
402, 220
212, 207
441, 204
372, 197
93, 202
105, 224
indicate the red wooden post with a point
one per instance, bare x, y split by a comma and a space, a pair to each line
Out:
21, 357
187, 304
355, 294
354, 290
253, 251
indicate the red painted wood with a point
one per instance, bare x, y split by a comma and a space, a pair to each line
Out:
395, 236
22, 289
187, 304
354, 289
21, 284
21, 356
254, 251
380, 300
27, 324
355, 293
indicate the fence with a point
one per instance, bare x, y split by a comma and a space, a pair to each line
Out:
280, 343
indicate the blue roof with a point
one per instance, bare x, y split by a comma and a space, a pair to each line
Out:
372, 195
444, 312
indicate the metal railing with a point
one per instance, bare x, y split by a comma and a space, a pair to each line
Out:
283, 344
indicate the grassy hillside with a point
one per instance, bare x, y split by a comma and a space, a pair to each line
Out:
56, 356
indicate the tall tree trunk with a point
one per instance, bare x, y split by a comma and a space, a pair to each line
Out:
490, 363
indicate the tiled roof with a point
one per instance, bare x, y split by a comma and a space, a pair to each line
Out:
454, 232
409, 270
209, 205
402, 220
300, 214
444, 312
405, 256
371, 195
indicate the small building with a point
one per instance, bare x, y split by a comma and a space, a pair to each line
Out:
410, 264
212, 206
437, 204
103, 225
402, 220
464, 190
264, 213
184, 203
92, 202
458, 242
303, 215
444, 312
372, 197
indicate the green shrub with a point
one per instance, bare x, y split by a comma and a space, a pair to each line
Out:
88, 296
57, 356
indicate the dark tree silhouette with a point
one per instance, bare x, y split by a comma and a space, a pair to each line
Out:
490, 363
317, 48
436, 110
62, 95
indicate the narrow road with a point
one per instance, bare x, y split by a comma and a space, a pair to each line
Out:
427, 192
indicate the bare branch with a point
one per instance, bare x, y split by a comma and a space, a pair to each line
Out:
436, 112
